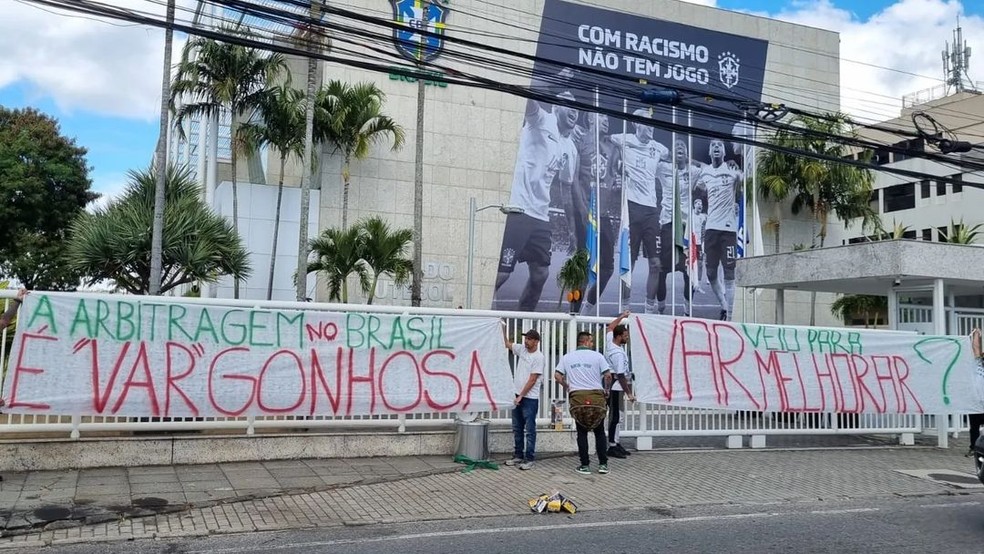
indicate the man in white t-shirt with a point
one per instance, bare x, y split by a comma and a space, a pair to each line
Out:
721, 182
616, 338
527, 377
585, 370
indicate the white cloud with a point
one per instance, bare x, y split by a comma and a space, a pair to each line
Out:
906, 37
84, 64
893, 52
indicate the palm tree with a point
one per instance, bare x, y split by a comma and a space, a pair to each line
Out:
867, 306
777, 179
339, 254
198, 245
282, 111
349, 118
829, 188
823, 187
385, 252
573, 276
958, 233
213, 76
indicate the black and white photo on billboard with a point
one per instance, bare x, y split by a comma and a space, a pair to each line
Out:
661, 212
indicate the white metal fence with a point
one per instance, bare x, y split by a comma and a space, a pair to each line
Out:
558, 335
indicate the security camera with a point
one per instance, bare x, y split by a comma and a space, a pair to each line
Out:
897, 282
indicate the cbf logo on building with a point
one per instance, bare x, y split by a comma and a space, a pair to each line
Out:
729, 68
416, 16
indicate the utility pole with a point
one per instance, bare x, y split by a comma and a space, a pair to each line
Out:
157, 231
418, 170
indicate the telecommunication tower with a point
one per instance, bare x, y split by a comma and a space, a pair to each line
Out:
956, 63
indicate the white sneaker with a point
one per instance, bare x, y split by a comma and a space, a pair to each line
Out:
525, 465
514, 461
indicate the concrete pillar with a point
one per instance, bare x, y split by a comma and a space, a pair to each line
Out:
939, 328
893, 309
939, 308
780, 307
951, 316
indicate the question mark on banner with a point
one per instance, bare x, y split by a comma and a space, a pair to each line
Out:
953, 360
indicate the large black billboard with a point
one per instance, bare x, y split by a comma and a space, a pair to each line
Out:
659, 211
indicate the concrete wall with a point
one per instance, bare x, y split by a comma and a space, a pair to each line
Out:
42, 455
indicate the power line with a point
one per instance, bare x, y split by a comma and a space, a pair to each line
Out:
464, 79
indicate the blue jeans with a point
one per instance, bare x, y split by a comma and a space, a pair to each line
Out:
524, 420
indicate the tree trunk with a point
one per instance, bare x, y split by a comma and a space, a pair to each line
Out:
235, 190
307, 173
372, 291
778, 225
346, 177
418, 199
157, 233
276, 226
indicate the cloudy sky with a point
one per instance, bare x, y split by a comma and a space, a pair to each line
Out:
102, 80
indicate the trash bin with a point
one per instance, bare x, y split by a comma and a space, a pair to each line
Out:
472, 439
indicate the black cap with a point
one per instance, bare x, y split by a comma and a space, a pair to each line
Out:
532, 334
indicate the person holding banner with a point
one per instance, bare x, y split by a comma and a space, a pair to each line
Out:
546, 152
527, 377
587, 377
722, 183
8, 316
976, 420
641, 156
11, 311
616, 338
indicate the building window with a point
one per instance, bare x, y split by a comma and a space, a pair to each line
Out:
941, 233
909, 235
940, 188
958, 182
900, 197
924, 188
927, 234
857, 240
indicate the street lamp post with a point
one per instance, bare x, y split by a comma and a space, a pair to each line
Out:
472, 210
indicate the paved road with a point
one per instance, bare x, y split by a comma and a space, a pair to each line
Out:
953, 524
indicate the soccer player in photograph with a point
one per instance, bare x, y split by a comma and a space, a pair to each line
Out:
598, 163
546, 151
682, 170
698, 227
641, 156
722, 182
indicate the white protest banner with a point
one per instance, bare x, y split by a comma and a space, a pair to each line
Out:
146, 356
721, 365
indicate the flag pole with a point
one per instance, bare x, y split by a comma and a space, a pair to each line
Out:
673, 204
598, 223
695, 274
625, 108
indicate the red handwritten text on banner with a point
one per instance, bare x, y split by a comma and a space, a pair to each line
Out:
708, 364
115, 355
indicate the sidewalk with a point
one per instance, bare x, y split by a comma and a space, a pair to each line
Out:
107, 504
60, 499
